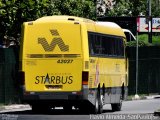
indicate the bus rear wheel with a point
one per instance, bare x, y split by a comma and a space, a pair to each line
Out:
67, 108
36, 108
98, 107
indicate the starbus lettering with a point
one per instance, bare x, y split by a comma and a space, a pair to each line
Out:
53, 79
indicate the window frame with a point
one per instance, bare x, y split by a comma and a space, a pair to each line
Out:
116, 51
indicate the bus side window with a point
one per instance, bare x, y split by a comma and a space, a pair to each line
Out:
91, 42
127, 52
121, 44
105, 45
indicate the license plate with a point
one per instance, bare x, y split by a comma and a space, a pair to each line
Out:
55, 87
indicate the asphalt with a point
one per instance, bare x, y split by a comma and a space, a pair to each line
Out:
22, 107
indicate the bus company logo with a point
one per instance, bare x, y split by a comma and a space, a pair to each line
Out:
55, 41
54, 79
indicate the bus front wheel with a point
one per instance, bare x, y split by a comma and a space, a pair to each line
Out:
117, 106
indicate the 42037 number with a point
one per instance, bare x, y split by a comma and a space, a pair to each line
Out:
65, 61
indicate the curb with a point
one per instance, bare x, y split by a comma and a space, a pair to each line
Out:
152, 97
146, 97
157, 113
2, 108
15, 107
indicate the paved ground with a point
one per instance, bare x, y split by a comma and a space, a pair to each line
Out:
131, 110
20, 107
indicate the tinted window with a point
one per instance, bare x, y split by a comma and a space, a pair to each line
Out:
105, 45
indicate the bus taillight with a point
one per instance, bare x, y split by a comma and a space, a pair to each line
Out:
21, 78
85, 78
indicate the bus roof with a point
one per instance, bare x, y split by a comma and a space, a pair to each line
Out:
109, 28
99, 27
64, 17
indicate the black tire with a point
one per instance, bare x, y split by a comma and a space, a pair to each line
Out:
98, 107
67, 108
36, 108
85, 109
117, 106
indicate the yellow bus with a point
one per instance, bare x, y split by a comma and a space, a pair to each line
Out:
73, 62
